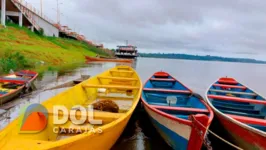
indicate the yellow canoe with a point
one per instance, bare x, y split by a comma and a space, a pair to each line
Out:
121, 85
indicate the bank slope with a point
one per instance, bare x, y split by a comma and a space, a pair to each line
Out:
48, 51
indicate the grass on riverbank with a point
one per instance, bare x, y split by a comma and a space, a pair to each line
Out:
39, 51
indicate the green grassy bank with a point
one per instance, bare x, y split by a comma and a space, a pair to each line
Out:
22, 49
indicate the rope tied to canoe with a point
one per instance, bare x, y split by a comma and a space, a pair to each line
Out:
206, 140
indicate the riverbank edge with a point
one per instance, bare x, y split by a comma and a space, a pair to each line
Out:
11, 40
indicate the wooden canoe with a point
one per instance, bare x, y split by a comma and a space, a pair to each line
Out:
176, 112
13, 84
89, 59
121, 85
240, 110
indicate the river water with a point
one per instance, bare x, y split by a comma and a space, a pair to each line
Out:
139, 134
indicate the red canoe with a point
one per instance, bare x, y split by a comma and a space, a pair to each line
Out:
241, 111
13, 84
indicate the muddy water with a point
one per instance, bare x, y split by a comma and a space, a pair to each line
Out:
140, 134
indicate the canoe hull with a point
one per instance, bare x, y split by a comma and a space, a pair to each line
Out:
103, 141
182, 126
174, 133
239, 129
83, 94
243, 137
9, 97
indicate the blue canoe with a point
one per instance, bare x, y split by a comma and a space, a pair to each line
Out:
179, 116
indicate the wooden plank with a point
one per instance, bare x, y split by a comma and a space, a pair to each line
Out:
233, 92
237, 99
166, 90
25, 74
248, 120
115, 97
180, 109
120, 83
118, 78
230, 86
14, 80
111, 86
121, 67
162, 79
120, 71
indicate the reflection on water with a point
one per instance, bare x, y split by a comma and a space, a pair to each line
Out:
140, 134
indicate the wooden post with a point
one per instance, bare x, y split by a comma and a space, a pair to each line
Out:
3, 12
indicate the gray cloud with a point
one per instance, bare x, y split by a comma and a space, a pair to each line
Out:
195, 26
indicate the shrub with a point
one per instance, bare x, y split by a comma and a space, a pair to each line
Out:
13, 61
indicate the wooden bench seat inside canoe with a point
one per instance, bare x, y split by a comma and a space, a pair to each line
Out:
180, 109
230, 86
240, 109
233, 92
237, 99
110, 86
233, 104
123, 68
114, 97
117, 78
166, 90
121, 71
14, 80
25, 74
238, 113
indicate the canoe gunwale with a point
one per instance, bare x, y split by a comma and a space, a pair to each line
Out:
221, 114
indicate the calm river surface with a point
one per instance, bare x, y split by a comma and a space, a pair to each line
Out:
139, 134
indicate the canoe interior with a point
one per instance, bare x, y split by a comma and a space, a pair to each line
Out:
239, 102
158, 91
12, 83
120, 84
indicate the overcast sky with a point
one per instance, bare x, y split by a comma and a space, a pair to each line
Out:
215, 27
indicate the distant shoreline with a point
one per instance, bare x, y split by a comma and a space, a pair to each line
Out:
202, 58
